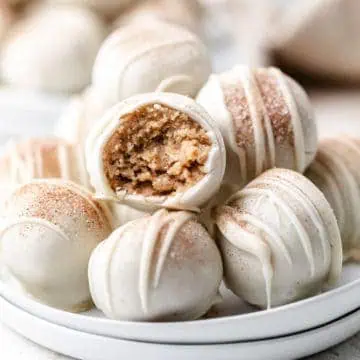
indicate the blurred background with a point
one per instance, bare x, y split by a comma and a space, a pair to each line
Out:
47, 49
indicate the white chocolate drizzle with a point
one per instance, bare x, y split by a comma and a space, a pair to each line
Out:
252, 95
307, 204
255, 246
108, 282
156, 223
299, 141
271, 233
302, 233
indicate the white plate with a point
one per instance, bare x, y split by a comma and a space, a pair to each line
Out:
225, 328
94, 347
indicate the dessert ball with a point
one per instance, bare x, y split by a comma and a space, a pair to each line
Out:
78, 118
39, 158
186, 13
108, 8
148, 56
335, 171
279, 240
52, 49
265, 118
156, 150
48, 233
306, 37
163, 267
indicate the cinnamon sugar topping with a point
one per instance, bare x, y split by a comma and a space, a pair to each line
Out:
276, 108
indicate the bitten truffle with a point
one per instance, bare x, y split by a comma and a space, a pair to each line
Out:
279, 240
265, 118
163, 267
336, 172
48, 233
156, 150
150, 56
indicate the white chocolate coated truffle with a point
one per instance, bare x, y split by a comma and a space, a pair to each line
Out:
336, 172
47, 236
81, 114
156, 150
150, 56
279, 240
265, 118
307, 37
107, 8
186, 13
163, 267
52, 49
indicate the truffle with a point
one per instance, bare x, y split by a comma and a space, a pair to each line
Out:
163, 267
265, 118
279, 240
48, 233
306, 36
38, 54
156, 150
150, 56
335, 171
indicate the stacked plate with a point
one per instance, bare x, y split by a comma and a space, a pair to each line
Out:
232, 330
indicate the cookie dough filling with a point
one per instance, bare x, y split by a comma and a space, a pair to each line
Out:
156, 151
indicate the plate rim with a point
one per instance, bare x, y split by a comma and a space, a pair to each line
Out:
48, 341
154, 332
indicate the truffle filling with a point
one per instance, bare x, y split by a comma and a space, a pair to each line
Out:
156, 151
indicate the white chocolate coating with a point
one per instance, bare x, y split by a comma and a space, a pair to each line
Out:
281, 134
39, 55
150, 56
192, 198
307, 37
122, 214
47, 236
279, 240
163, 267
107, 8
79, 117
335, 171
185, 13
